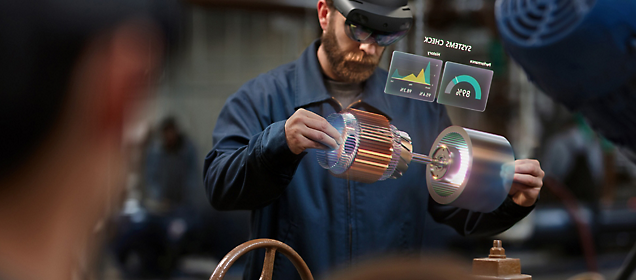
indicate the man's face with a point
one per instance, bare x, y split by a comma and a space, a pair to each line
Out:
350, 61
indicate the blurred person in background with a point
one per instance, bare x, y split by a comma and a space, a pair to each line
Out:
171, 169
150, 241
67, 72
264, 158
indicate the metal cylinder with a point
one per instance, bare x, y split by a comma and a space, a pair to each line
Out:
480, 170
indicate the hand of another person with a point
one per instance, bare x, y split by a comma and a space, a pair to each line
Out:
527, 182
305, 130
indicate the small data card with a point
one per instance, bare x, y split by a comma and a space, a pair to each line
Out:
465, 86
413, 76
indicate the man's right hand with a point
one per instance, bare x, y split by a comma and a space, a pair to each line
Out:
305, 130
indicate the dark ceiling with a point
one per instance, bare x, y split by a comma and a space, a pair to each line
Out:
258, 4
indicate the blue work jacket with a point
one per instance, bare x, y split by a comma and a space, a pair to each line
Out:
329, 221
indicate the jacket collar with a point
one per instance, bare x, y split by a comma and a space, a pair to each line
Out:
310, 87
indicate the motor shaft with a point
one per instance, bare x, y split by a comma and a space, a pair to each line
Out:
420, 158
440, 161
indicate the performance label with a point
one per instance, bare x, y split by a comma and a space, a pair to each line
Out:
413, 76
465, 86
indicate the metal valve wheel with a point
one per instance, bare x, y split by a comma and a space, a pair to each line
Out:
271, 247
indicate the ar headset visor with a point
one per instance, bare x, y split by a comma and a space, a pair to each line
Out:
376, 21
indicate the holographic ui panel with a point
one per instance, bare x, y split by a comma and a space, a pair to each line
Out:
465, 86
413, 76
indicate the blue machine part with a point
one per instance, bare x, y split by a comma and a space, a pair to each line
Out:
582, 53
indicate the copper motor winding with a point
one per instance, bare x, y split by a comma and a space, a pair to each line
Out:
372, 150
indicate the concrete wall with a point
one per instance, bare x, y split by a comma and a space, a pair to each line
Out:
221, 50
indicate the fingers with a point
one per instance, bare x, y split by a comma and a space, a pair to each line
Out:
523, 196
529, 166
318, 136
323, 126
520, 187
317, 122
528, 180
306, 143
300, 137
305, 130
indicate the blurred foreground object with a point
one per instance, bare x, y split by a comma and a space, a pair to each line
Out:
587, 276
271, 247
69, 71
498, 266
405, 267
467, 168
582, 54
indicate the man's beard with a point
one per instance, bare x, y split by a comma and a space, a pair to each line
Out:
350, 67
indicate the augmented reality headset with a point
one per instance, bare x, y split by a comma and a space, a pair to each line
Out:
380, 21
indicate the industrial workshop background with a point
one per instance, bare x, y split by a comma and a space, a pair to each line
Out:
586, 218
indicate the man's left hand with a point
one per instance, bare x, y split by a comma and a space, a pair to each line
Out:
527, 182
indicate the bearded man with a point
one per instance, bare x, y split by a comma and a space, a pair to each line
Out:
264, 159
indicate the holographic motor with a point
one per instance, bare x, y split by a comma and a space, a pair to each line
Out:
466, 168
